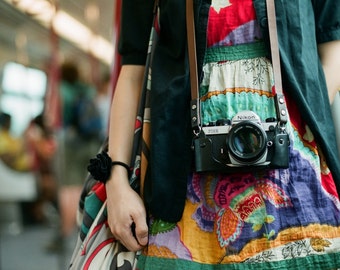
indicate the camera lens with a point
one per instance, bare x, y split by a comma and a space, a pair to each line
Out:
247, 142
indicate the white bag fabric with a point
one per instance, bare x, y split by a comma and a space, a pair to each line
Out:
100, 251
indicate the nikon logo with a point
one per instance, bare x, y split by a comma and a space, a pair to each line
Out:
246, 117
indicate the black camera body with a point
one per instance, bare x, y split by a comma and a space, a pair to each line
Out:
242, 144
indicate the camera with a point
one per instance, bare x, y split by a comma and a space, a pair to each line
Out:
242, 143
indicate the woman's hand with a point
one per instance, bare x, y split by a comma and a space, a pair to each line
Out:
125, 207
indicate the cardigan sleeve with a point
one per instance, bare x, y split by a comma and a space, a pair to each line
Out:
136, 21
327, 19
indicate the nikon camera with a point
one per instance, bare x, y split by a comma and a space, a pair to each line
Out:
244, 143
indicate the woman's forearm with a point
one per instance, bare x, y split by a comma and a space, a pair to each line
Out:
330, 58
121, 215
123, 113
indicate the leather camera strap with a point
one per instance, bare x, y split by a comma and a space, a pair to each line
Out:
195, 101
274, 45
280, 103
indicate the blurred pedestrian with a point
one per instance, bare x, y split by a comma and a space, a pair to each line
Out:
42, 146
103, 103
78, 138
13, 151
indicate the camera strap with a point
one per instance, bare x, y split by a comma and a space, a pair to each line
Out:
281, 110
280, 104
195, 101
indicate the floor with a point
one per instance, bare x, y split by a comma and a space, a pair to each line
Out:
28, 250
29, 247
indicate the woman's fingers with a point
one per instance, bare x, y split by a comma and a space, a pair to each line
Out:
127, 217
140, 230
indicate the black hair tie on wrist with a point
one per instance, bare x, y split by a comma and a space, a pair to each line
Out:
127, 167
100, 167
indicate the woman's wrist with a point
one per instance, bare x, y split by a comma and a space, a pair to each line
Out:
122, 164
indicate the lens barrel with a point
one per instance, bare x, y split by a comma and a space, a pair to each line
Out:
247, 142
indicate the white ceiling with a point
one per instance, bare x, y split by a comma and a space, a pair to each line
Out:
37, 51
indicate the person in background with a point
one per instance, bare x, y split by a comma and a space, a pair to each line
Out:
42, 146
103, 103
278, 218
81, 124
79, 138
13, 150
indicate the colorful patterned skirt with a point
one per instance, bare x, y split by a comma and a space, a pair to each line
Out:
268, 219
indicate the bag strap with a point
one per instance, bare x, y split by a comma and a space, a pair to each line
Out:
134, 179
274, 45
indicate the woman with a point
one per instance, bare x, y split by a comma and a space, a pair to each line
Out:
267, 219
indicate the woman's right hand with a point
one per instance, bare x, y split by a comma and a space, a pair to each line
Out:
125, 207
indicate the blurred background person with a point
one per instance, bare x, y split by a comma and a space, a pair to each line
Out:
42, 147
81, 124
103, 103
13, 151
79, 140
18, 182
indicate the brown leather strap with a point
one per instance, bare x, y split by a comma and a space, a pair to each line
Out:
281, 110
195, 102
274, 45
192, 48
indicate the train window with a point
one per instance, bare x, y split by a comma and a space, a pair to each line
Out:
22, 94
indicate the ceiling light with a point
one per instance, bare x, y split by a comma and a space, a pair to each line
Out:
67, 27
